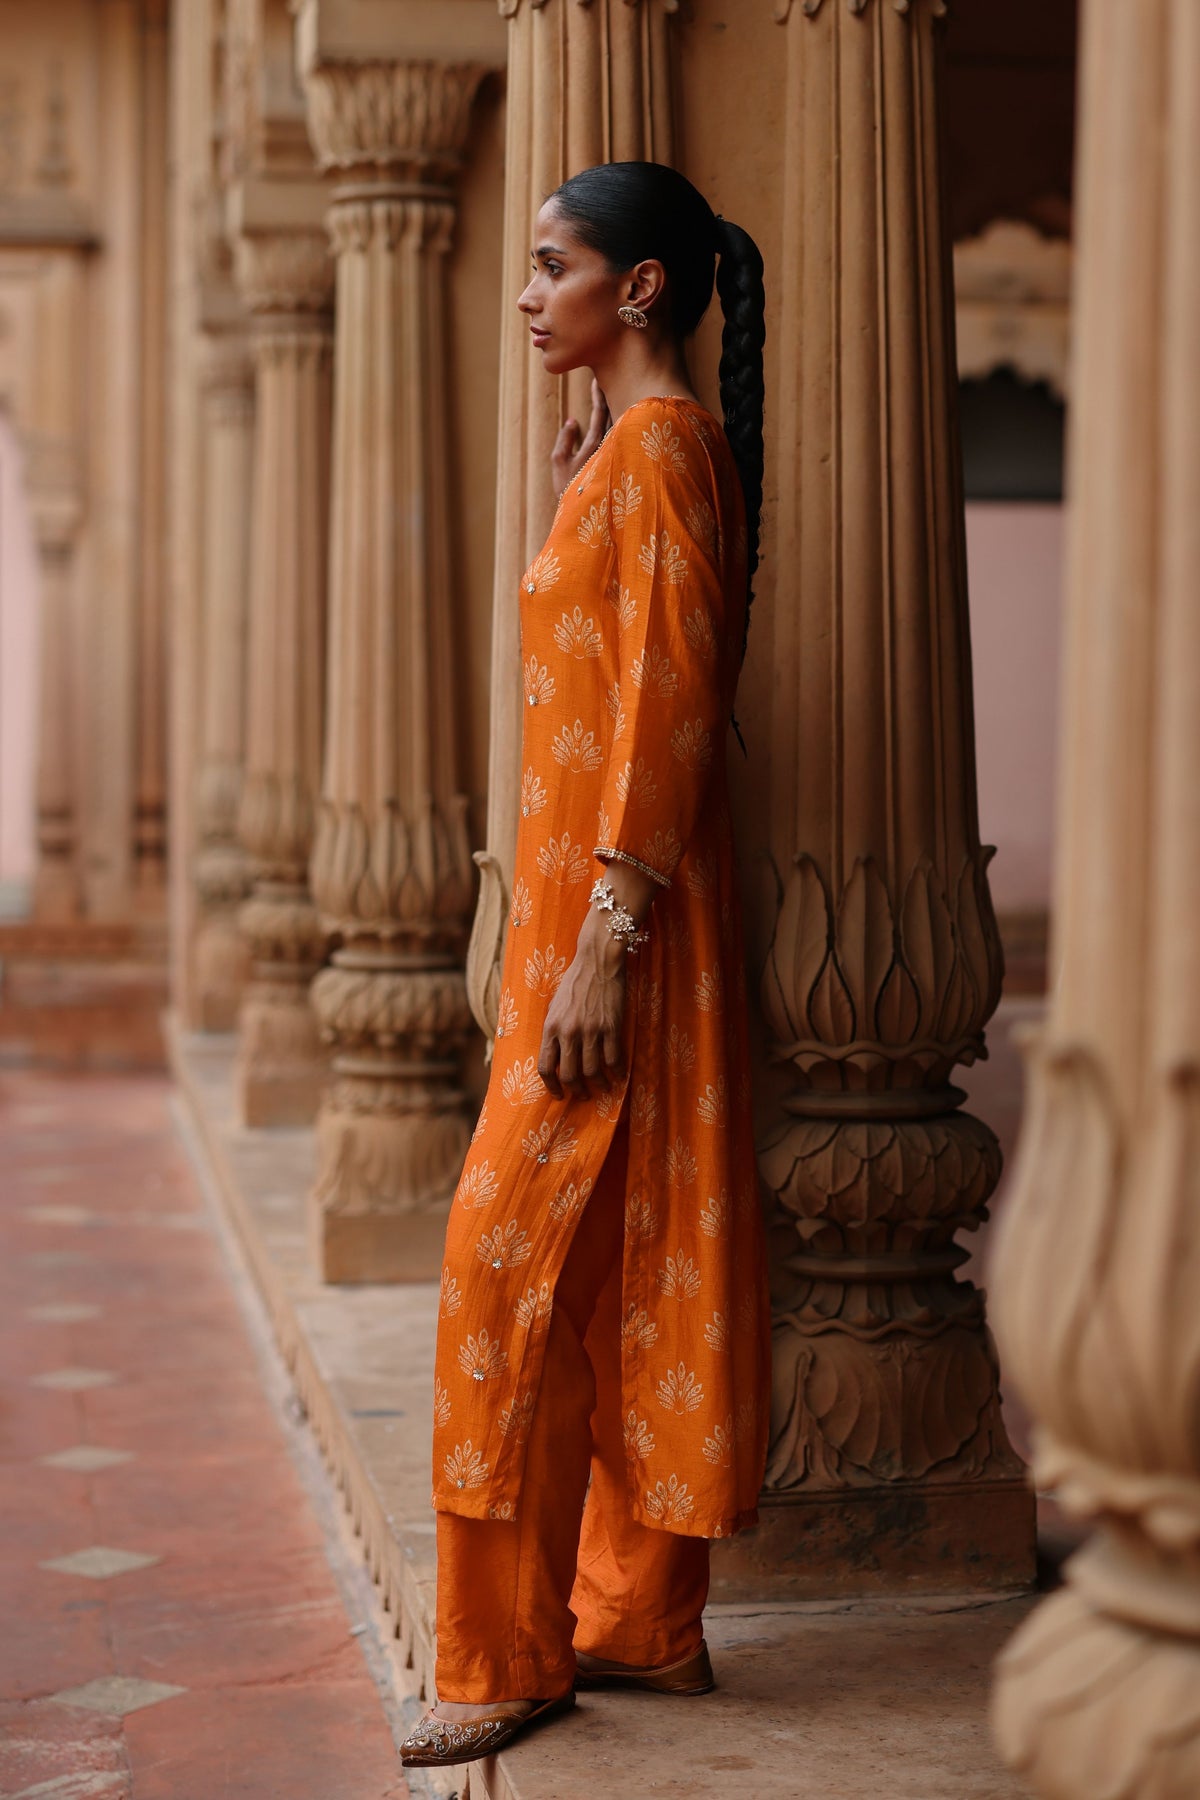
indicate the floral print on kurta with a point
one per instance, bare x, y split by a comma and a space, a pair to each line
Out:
632, 621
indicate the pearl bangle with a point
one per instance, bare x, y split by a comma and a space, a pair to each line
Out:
622, 923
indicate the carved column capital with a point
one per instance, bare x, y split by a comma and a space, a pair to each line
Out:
409, 119
284, 272
808, 9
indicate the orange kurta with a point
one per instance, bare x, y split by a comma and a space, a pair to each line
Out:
632, 623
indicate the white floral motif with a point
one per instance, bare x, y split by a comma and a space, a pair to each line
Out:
521, 910
544, 970
522, 1085
641, 1219
451, 1296
662, 445
502, 1509
543, 571
718, 1448
626, 498
594, 529
465, 1467
663, 850
701, 877
623, 603
577, 636
669, 1500
702, 526
679, 1391
661, 556
708, 994
679, 938
698, 630
652, 672
441, 1403
639, 1439
680, 1164
479, 1185
650, 997
563, 861
480, 1123
516, 1419
505, 1246
715, 1217
577, 749
713, 1103
716, 1332
603, 827
637, 1327
692, 745
746, 1424
636, 784
539, 683
681, 1052
506, 1014
549, 1143
680, 1278
643, 1112
533, 794
571, 1199
616, 712
481, 1357
534, 1307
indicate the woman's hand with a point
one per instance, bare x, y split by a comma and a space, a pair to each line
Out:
582, 1051
570, 450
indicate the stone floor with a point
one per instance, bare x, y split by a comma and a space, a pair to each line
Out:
173, 1629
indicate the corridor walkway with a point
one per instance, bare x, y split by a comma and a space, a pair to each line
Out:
172, 1627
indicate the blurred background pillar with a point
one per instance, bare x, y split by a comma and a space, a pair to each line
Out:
222, 868
391, 867
286, 279
1098, 1274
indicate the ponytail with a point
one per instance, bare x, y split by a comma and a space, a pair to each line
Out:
743, 302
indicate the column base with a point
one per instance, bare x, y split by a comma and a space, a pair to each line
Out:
221, 966
57, 898
911, 1538
282, 1070
377, 1246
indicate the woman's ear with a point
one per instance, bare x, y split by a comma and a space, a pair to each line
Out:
646, 284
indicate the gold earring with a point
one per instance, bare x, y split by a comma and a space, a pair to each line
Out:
633, 315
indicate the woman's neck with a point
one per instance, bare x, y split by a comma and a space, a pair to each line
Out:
638, 372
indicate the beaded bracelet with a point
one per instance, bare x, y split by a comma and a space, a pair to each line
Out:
622, 923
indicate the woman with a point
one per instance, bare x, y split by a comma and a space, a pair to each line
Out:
604, 1309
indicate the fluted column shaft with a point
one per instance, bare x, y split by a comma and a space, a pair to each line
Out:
883, 962
58, 892
222, 870
1098, 1275
287, 278
585, 85
391, 867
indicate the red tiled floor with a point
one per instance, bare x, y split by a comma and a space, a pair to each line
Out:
241, 1610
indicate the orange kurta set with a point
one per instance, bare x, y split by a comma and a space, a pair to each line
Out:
632, 624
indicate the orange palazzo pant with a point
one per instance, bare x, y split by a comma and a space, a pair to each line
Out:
573, 1571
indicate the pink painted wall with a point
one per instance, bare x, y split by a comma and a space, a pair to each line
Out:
18, 678
1014, 558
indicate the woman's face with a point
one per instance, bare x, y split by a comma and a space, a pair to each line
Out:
572, 299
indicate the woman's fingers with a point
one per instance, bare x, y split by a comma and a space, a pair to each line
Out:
594, 1071
548, 1066
614, 1057
568, 1067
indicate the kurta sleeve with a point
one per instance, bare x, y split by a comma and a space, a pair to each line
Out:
670, 706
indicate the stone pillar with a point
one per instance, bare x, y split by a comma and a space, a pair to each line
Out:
286, 278
391, 868
150, 774
585, 85
889, 1468
222, 869
1098, 1269
58, 891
